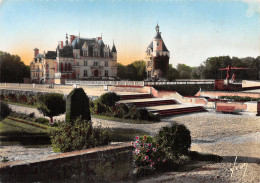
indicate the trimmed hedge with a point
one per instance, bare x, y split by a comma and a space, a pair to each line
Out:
77, 105
4, 110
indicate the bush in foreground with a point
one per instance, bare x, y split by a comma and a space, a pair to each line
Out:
175, 139
167, 151
77, 136
4, 110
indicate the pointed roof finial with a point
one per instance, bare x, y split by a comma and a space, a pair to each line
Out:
101, 35
79, 33
67, 39
114, 47
157, 27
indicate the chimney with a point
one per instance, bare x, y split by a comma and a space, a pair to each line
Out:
36, 52
72, 37
61, 44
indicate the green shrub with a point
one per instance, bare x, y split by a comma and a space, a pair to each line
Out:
77, 105
51, 104
42, 120
109, 99
101, 109
175, 139
4, 110
77, 136
237, 98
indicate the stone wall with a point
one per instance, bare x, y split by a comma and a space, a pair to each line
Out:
137, 89
103, 164
248, 83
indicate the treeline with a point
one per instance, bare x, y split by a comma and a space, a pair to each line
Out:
134, 71
209, 69
12, 69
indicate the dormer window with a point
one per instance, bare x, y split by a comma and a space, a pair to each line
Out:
158, 44
85, 53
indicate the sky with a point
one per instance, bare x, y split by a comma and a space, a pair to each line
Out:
192, 30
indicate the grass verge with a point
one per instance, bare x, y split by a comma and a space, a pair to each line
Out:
122, 120
20, 104
122, 135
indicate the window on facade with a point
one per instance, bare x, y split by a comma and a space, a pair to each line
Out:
69, 67
95, 64
85, 63
85, 73
106, 73
85, 53
106, 64
158, 44
95, 53
47, 75
149, 63
66, 67
149, 74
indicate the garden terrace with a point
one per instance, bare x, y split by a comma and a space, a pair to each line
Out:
175, 109
149, 102
137, 96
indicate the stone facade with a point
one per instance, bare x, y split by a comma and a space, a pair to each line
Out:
157, 57
79, 59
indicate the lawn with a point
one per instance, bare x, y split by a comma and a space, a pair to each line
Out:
13, 133
123, 120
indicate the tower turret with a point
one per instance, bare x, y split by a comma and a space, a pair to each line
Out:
114, 52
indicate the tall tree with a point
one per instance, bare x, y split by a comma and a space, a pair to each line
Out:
172, 73
51, 104
12, 69
184, 71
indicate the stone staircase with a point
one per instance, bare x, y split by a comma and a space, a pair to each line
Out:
170, 112
139, 96
162, 106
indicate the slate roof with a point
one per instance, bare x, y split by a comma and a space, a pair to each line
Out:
77, 43
158, 35
67, 51
113, 48
51, 55
164, 48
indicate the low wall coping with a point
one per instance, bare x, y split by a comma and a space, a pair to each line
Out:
118, 146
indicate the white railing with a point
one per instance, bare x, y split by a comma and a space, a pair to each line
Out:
104, 83
135, 83
152, 83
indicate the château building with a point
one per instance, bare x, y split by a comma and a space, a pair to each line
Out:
77, 59
157, 57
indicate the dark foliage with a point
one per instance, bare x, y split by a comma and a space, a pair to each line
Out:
51, 104
4, 110
77, 105
175, 140
109, 99
12, 69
